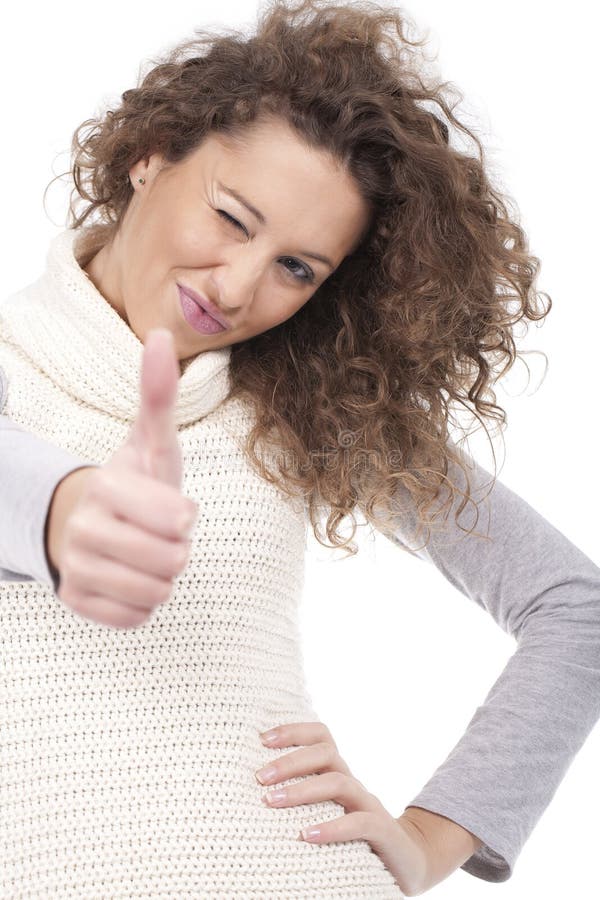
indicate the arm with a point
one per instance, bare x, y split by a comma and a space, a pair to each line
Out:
543, 591
447, 844
36, 482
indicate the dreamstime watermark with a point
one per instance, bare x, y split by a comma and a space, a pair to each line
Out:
342, 454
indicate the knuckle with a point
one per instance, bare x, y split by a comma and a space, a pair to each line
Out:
364, 822
78, 526
329, 750
339, 782
100, 482
374, 801
328, 735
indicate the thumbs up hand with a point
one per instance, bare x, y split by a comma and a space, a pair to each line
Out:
123, 538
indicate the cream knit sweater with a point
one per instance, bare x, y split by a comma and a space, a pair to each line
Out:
127, 758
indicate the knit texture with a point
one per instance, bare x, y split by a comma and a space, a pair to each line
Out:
127, 757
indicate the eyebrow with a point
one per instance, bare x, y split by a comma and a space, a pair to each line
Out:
258, 215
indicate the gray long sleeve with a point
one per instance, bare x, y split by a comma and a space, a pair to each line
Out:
30, 471
545, 592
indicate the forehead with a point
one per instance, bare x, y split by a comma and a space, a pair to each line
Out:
293, 185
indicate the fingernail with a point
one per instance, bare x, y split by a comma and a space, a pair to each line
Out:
266, 774
310, 834
267, 737
276, 796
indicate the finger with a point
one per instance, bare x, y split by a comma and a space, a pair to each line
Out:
119, 540
337, 786
316, 758
119, 582
101, 610
355, 826
403, 855
144, 501
297, 733
155, 424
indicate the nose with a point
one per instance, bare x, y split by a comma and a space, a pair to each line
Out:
235, 283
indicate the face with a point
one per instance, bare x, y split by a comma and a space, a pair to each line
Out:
185, 227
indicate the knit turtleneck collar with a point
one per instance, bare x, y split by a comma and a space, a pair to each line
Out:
66, 326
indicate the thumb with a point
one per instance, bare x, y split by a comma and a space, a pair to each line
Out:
155, 432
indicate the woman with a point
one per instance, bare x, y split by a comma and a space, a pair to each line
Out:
292, 184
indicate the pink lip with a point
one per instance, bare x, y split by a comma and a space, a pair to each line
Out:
205, 304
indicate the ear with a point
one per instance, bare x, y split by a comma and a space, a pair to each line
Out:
148, 167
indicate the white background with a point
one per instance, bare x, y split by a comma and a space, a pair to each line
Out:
397, 660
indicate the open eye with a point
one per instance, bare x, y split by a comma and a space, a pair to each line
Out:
301, 274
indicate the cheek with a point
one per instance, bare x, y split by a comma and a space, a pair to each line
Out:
279, 309
192, 246
192, 239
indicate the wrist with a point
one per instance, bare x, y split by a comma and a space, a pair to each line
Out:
446, 844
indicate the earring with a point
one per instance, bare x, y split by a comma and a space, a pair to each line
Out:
142, 180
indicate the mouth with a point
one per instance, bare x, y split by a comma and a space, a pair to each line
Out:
196, 316
199, 313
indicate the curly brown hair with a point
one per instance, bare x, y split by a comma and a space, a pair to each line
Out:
354, 391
